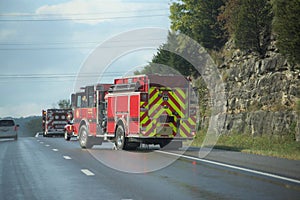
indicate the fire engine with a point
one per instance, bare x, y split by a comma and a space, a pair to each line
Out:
143, 109
54, 121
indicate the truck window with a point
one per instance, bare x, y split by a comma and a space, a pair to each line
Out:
91, 101
78, 103
73, 100
90, 97
84, 102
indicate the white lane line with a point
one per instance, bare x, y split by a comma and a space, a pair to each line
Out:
54, 149
233, 167
67, 157
41, 142
47, 145
87, 172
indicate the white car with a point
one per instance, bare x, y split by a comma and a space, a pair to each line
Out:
8, 129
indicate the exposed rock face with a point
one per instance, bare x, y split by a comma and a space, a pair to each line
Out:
261, 94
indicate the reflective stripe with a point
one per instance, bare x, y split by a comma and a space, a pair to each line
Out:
175, 105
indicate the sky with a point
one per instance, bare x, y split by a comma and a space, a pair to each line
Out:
45, 45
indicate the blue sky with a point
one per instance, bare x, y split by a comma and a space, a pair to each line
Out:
45, 43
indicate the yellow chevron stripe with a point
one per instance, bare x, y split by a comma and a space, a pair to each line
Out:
153, 122
182, 134
183, 104
186, 126
154, 96
191, 121
155, 106
183, 95
178, 110
153, 133
144, 121
173, 126
158, 113
181, 92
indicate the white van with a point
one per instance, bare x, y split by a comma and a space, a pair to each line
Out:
8, 129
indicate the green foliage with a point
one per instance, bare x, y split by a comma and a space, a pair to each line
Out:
64, 104
287, 28
199, 20
249, 23
229, 15
165, 62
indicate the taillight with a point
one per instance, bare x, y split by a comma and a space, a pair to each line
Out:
70, 128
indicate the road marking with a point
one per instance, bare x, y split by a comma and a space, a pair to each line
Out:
38, 140
41, 142
54, 149
87, 172
67, 157
47, 145
233, 167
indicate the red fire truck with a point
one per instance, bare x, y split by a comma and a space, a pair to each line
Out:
144, 109
89, 108
54, 121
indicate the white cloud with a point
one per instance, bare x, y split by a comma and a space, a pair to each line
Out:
99, 11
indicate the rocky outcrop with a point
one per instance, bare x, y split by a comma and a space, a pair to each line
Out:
261, 94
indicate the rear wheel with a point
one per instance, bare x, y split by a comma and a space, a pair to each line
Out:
121, 142
84, 139
120, 138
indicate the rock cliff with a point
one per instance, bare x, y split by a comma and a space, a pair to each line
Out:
262, 93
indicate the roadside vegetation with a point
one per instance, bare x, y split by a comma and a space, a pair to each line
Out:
276, 146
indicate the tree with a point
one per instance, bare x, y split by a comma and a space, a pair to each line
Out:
287, 28
199, 20
166, 62
229, 15
249, 23
64, 104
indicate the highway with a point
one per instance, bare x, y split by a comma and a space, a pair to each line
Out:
52, 168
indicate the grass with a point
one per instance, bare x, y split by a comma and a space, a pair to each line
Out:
276, 146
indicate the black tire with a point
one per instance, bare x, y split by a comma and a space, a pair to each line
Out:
120, 141
67, 136
84, 139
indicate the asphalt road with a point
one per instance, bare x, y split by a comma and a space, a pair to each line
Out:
51, 168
